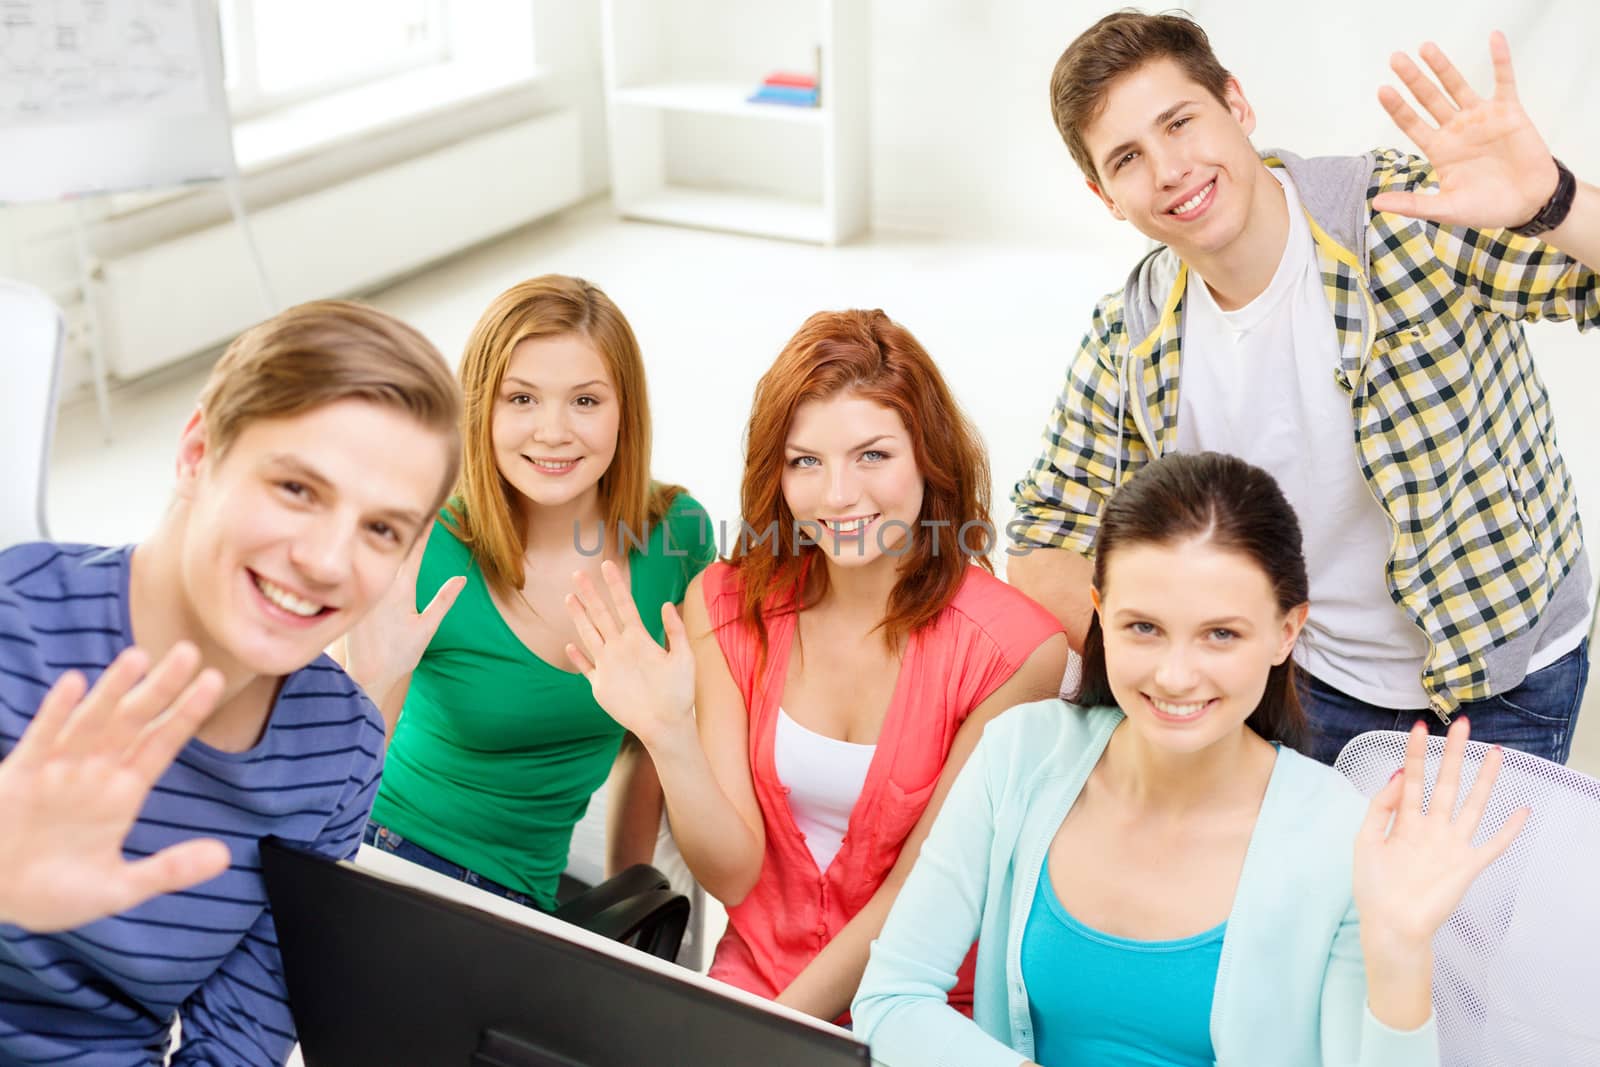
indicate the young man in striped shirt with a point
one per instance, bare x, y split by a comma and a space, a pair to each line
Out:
322, 445
1361, 342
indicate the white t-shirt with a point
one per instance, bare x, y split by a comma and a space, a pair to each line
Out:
1259, 383
824, 777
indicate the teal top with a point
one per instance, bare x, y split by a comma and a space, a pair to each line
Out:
497, 751
1111, 1001
1290, 986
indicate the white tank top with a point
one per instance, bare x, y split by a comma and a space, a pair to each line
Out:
824, 778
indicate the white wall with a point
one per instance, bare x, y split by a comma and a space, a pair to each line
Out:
962, 137
963, 142
566, 37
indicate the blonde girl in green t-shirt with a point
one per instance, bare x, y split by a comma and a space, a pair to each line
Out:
498, 748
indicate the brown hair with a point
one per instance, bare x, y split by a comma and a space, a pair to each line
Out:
1226, 502
867, 354
322, 352
483, 514
1118, 44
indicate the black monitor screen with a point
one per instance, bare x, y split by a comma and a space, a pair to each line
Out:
383, 974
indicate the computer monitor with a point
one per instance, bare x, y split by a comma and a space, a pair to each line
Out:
389, 974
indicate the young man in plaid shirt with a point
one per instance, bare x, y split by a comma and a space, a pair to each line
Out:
1353, 325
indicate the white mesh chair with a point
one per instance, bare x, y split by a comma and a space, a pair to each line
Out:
31, 336
1517, 966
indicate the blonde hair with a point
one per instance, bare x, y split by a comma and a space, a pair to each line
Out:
484, 515
325, 351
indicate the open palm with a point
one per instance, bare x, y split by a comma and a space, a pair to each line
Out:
388, 642
1413, 865
643, 686
75, 783
1493, 167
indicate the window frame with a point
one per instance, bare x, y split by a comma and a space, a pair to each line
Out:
241, 77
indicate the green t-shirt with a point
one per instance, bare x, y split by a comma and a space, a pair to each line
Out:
497, 752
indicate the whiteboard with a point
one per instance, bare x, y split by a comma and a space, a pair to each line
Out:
101, 96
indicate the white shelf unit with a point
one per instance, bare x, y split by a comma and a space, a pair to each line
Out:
688, 148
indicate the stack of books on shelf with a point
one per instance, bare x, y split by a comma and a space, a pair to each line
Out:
795, 90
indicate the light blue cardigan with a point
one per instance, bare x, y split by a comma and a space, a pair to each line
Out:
1291, 989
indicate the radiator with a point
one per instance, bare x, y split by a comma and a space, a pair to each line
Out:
189, 294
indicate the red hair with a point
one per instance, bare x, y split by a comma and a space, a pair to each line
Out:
866, 354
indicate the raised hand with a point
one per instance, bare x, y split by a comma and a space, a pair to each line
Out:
646, 688
1493, 167
387, 644
75, 783
1414, 865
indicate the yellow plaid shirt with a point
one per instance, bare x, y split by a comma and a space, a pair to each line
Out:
1451, 420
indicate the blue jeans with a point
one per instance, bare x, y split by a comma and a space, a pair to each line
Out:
385, 839
1537, 716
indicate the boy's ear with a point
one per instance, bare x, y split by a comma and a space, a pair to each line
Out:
1239, 107
1111, 205
191, 452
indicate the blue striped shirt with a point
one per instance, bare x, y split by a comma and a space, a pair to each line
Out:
105, 994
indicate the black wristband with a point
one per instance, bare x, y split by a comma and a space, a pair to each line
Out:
1555, 209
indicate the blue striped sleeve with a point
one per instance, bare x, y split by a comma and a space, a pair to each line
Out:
241, 1014
341, 838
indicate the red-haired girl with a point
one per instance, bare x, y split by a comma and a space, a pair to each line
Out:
829, 679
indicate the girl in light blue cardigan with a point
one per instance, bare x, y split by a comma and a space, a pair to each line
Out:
1153, 874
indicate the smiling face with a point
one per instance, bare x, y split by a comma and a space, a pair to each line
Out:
1175, 161
1191, 632
850, 470
555, 420
295, 530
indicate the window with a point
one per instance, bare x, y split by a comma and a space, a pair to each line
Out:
280, 52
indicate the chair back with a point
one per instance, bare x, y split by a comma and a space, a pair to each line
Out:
1516, 967
586, 860
32, 333
637, 907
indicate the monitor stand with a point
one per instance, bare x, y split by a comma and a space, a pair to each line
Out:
496, 1048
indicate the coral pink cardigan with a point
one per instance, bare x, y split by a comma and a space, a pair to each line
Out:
950, 666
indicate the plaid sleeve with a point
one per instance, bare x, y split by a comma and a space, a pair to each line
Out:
1060, 500
1518, 277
